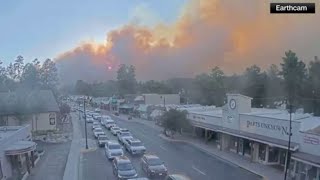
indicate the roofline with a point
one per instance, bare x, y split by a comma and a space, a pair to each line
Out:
304, 161
237, 94
204, 114
293, 120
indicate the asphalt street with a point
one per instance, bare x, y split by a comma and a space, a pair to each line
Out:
179, 158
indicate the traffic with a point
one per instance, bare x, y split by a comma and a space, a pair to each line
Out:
123, 146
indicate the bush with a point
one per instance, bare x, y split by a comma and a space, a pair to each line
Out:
174, 121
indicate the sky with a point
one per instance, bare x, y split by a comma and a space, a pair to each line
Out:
45, 28
163, 39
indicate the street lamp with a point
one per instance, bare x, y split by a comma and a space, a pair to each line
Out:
85, 121
289, 142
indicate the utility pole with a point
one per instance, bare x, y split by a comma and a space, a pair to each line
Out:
289, 143
85, 121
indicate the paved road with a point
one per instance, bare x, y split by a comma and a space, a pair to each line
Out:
52, 163
179, 157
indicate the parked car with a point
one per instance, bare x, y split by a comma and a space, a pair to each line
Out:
153, 166
109, 125
115, 130
102, 140
95, 126
124, 130
104, 119
97, 132
124, 135
97, 110
97, 117
113, 149
89, 120
116, 113
134, 146
123, 168
177, 177
107, 122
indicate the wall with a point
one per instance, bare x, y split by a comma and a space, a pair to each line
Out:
21, 134
194, 117
275, 128
41, 122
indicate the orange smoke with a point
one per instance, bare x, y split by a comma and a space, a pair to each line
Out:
229, 34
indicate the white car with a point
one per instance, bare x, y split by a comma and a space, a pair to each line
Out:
113, 149
115, 130
95, 126
134, 146
109, 124
102, 140
97, 110
97, 117
97, 132
89, 120
122, 136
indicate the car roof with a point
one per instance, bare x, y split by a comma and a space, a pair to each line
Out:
98, 128
113, 142
179, 177
151, 156
133, 140
122, 159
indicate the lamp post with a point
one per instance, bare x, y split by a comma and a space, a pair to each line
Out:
164, 101
289, 142
85, 121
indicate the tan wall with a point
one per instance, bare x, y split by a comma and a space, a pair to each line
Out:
36, 121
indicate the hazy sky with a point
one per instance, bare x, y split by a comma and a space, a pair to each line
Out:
46, 28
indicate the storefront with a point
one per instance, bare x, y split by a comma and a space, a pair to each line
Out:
305, 166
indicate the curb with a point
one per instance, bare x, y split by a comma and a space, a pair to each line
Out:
212, 154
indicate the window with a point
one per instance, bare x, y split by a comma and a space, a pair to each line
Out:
273, 154
262, 152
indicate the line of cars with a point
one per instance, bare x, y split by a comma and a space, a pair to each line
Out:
123, 168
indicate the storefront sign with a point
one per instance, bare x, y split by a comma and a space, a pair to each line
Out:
311, 140
283, 129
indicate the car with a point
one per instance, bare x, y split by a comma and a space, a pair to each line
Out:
153, 166
134, 146
110, 124
177, 177
102, 140
113, 149
123, 168
123, 135
104, 119
124, 130
94, 126
89, 120
97, 110
114, 130
97, 132
97, 117
116, 113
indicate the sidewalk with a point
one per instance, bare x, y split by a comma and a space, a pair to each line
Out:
71, 170
266, 172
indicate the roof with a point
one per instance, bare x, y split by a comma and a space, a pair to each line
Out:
307, 157
6, 131
22, 102
315, 130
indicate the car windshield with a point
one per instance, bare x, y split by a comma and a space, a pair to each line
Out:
103, 138
126, 134
154, 161
125, 166
114, 146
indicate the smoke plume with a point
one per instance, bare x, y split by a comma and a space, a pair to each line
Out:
208, 33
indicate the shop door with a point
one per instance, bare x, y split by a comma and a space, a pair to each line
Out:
283, 157
240, 147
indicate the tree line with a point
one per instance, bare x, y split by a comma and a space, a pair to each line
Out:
34, 75
291, 82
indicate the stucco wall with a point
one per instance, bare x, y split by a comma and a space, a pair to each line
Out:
21, 134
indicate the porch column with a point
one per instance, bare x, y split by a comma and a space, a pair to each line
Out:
27, 162
206, 135
32, 158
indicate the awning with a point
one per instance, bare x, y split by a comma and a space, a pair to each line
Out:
307, 158
20, 147
250, 136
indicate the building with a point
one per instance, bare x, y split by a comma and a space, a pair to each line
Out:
261, 135
155, 99
37, 108
17, 152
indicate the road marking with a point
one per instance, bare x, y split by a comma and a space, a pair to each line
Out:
198, 170
163, 148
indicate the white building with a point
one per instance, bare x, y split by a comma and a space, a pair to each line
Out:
17, 152
155, 99
261, 135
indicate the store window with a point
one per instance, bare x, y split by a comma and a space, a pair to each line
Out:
262, 152
273, 154
52, 119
